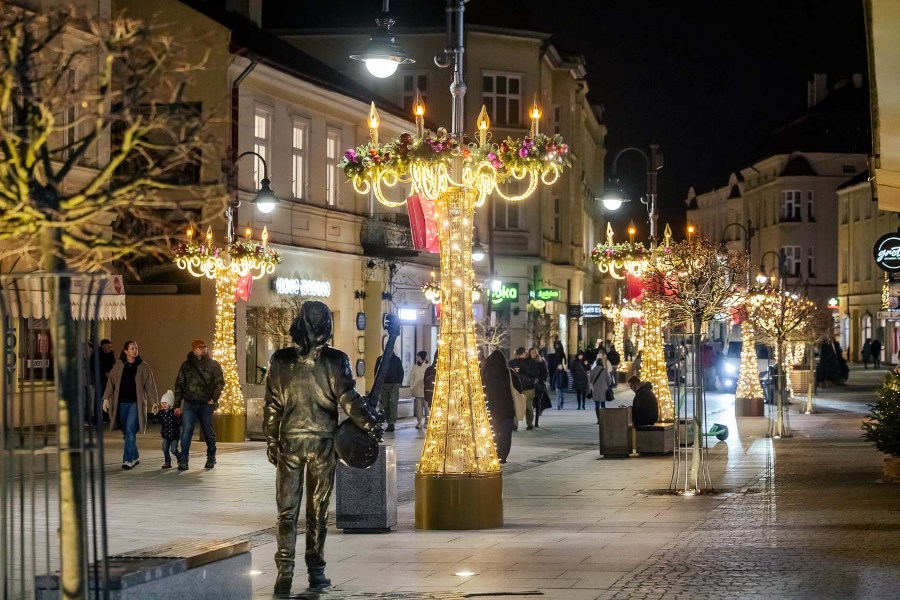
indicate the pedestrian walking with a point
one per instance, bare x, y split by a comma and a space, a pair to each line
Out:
866, 353
417, 388
559, 382
130, 391
305, 385
614, 360
198, 386
628, 348
390, 395
876, 353
540, 374
579, 379
428, 383
527, 372
499, 398
599, 378
170, 427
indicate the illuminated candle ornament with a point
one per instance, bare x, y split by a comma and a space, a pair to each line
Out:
419, 112
631, 231
690, 231
483, 123
209, 235
190, 234
535, 117
265, 236
373, 125
248, 233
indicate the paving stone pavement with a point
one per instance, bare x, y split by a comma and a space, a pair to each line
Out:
800, 517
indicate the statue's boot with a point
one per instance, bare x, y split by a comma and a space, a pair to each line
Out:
283, 584
317, 579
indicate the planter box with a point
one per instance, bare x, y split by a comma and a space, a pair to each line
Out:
748, 407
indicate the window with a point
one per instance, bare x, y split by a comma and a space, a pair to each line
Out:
262, 125
811, 262
332, 154
506, 215
866, 326
844, 211
70, 116
411, 83
845, 265
557, 233
298, 154
502, 95
790, 205
556, 119
849, 169
790, 256
810, 209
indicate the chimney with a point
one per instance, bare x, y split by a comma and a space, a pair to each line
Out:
249, 9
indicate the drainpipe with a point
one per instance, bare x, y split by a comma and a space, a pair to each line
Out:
233, 153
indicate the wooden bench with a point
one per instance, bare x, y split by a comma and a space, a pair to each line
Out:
196, 569
658, 438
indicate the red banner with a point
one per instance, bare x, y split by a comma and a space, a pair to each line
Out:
244, 287
634, 287
416, 221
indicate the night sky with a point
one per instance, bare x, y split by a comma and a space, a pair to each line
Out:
705, 80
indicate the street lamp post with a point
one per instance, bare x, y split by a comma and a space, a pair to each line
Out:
749, 231
614, 196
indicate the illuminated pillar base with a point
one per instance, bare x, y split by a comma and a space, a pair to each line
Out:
230, 428
465, 501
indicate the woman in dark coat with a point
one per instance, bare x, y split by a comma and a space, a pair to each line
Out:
579, 380
497, 387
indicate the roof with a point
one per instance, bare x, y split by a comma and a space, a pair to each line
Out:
797, 165
735, 192
250, 41
855, 180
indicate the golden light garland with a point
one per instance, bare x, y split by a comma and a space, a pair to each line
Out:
627, 258
459, 438
653, 359
240, 259
748, 378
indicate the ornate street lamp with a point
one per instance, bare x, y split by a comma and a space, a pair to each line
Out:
458, 482
231, 266
614, 196
381, 53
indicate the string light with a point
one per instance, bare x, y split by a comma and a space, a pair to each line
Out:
748, 378
653, 359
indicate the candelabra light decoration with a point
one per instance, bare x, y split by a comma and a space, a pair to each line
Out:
226, 265
458, 481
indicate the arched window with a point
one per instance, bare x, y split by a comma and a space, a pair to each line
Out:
865, 327
845, 332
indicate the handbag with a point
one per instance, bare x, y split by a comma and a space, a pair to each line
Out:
590, 392
610, 395
518, 401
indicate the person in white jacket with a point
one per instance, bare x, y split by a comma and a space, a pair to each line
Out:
417, 388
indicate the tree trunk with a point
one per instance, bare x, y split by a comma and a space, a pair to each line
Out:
70, 405
779, 428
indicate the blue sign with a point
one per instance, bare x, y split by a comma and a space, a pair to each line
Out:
360, 321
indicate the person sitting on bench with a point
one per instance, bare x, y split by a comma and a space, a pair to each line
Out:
644, 408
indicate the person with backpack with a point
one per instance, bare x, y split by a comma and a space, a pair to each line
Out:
559, 381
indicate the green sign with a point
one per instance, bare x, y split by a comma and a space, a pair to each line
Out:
507, 293
545, 294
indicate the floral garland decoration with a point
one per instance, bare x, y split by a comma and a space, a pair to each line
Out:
542, 153
238, 250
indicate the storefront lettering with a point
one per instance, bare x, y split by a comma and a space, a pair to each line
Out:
506, 293
887, 252
289, 286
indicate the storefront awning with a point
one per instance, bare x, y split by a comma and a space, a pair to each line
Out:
93, 297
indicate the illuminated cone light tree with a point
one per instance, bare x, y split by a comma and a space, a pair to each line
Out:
458, 482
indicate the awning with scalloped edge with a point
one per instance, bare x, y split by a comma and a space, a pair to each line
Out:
93, 297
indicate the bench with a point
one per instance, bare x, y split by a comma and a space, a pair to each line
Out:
658, 438
201, 569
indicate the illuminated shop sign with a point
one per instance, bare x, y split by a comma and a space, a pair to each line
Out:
887, 252
506, 293
544, 294
290, 286
591, 310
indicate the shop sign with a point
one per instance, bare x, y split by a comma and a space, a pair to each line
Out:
544, 294
887, 252
591, 310
507, 293
888, 315
290, 286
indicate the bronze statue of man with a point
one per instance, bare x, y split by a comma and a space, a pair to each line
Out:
304, 387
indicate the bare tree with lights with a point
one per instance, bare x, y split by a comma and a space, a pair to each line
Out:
492, 333
95, 130
780, 317
695, 282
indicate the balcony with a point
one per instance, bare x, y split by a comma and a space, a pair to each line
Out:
387, 235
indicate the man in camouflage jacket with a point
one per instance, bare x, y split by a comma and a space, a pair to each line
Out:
197, 389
